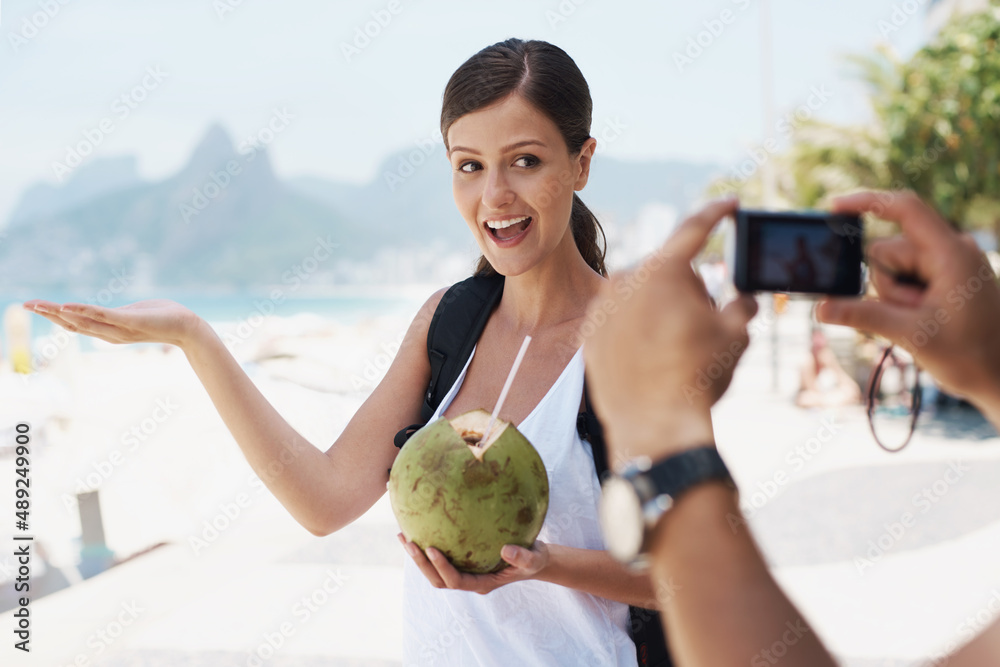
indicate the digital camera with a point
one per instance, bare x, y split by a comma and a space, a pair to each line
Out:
808, 252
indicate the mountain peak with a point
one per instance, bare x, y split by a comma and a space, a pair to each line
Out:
215, 148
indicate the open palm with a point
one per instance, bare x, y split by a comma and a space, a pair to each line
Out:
148, 321
522, 564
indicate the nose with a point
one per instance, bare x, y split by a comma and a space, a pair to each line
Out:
497, 192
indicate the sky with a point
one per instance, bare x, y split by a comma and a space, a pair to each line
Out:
355, 81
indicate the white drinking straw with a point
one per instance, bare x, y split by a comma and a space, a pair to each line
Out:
506, 388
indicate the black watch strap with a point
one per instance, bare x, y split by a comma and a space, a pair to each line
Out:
676, 474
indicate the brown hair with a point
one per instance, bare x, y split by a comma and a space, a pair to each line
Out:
545, 76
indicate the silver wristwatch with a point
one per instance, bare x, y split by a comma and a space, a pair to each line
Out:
632, 502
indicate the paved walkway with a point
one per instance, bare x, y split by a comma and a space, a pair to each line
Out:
888, 555
891, 557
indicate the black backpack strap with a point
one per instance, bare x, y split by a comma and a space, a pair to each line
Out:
590, 429
458, 321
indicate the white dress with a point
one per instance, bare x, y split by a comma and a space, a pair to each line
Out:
528, 622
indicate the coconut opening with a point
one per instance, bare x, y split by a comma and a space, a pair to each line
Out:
471, 426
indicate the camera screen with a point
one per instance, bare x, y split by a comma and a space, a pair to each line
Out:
808, 253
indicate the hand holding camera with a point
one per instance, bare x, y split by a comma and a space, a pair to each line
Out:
952, 325
656, 392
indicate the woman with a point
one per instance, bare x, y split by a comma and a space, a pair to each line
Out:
516, 124
823, 382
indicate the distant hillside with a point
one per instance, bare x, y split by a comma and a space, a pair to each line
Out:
87, 183
185, 231
225, 221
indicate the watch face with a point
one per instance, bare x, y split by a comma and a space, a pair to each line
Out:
621, 519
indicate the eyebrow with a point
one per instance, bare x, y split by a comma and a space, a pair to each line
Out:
505, 149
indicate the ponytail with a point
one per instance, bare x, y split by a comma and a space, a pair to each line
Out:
586, 229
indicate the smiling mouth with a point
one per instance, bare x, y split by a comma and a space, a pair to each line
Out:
508, 229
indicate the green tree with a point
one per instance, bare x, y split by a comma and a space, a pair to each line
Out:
936, 129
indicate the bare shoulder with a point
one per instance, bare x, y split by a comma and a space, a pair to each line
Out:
422, 320
411, 359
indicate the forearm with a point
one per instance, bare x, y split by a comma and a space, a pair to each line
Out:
293, 469
724, 589
596, 572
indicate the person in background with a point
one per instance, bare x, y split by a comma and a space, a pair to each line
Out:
654, 342
823, 382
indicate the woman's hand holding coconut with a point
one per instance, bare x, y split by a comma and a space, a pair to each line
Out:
524, 564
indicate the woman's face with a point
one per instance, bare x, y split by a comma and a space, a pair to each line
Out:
513, 181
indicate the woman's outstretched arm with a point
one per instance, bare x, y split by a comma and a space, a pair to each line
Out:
323, 491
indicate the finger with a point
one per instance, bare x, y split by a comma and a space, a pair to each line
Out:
90, 327
424, 565
56, 318
690, 236
919, 222
451, 577
98, 313
894, 256
736, 315
518, 556
890, 258
894, 292
885, 319
40, 306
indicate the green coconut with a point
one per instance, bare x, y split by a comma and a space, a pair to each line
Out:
468, 500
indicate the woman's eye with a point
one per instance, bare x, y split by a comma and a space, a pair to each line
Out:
526, 161
468, 167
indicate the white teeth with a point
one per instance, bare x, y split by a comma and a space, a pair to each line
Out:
504, 224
